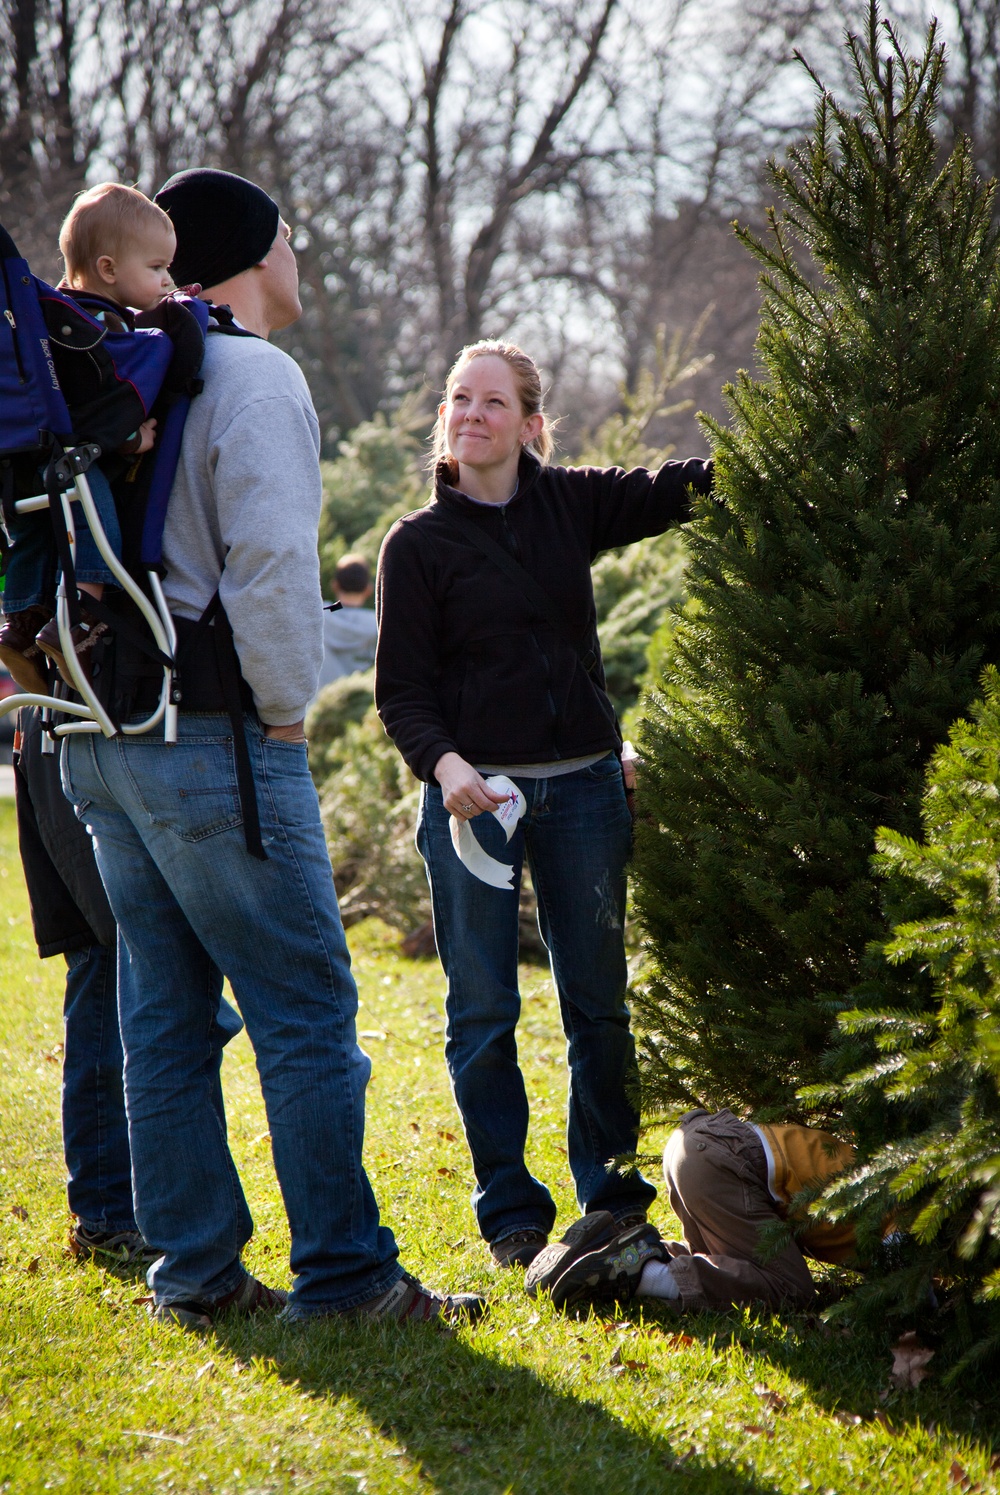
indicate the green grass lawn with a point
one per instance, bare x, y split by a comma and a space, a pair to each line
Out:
95, 1398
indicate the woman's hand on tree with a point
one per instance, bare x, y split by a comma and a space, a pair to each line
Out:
465, 792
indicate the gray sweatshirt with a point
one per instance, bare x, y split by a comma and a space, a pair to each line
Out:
349, 637
244, 515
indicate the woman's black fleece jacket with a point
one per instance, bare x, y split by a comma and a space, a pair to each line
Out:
465, 663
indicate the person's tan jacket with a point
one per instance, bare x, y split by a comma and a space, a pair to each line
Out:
801, 1156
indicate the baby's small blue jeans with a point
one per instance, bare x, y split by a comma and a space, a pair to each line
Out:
31, 575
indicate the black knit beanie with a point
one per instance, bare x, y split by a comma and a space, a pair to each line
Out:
224, 224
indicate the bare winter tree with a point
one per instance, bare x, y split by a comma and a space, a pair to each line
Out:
46, 138
561, 170
475, 118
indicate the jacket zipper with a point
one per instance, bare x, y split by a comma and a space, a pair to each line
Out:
17, 347
515, 551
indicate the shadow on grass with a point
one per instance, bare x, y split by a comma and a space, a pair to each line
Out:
847, 1368
473, 1423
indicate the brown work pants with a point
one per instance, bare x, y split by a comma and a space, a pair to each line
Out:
716, 1173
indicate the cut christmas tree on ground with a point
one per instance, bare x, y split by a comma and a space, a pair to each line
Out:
845, 597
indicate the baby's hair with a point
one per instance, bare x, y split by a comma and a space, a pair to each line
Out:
105, 220
527, 382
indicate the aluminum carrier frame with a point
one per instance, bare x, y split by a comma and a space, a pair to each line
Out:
36, 434
94, 718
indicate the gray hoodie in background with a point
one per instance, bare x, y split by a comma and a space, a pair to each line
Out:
349, 638
244, 517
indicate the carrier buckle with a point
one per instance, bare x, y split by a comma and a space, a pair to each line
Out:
72, 463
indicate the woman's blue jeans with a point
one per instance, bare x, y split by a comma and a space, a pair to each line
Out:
576, 835
192, 906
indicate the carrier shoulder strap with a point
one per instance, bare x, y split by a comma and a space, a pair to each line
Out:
540, 599
229, 675
224, 321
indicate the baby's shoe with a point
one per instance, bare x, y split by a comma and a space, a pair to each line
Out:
19, 649
85, 635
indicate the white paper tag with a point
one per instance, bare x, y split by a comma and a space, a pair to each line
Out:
467, 848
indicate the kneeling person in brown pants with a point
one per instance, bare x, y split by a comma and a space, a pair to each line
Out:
726, 1179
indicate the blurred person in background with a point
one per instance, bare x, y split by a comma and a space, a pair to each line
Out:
71, 916
350, 633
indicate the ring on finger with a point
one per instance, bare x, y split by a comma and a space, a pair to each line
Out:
468, 809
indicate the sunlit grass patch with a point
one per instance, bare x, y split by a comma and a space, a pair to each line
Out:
96, 1398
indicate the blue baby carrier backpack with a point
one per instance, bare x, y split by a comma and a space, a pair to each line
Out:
73, 389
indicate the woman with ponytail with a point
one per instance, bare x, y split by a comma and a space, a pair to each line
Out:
489, 664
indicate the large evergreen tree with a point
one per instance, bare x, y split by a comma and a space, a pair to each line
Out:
845, 596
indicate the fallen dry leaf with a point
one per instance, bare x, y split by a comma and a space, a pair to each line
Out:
447, 1172
909, 1360
957, 1476
157, 1437
847, 1419
19, 1212
204, 1370
757, 1431
414, 1126
884, 1422
33, 1265
770, 1400
679, 1341
447, 1136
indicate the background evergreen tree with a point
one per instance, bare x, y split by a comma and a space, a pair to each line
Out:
844, 598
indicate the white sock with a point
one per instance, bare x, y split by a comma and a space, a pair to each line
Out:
657, 1281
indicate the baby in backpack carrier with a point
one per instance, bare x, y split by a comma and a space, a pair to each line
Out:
117, 247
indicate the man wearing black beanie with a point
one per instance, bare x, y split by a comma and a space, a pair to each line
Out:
192, 905
223, 224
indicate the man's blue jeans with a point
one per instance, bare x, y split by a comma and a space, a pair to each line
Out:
192, 906
95, 1132
576, 835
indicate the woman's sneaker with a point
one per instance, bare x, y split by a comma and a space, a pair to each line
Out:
583, 1236
195, 1313
611, 1273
